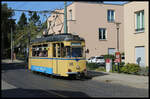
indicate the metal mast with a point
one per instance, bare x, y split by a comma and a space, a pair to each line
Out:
65, 18
11, 45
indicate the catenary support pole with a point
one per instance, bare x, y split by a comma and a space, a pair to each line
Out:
65, 17
11, 45
118, 46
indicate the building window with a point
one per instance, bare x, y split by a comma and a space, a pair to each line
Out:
139, 21
110, 15
70, 11
102, 34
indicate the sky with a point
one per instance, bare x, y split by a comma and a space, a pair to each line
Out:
41, 5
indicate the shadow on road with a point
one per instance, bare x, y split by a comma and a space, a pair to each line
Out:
18, 92
12, 66
95, 73
90, 75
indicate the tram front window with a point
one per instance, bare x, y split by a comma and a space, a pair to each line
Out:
77, 52
74, 51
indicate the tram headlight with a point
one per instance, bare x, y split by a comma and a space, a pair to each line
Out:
77, 67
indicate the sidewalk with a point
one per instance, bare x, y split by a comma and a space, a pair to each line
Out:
124, 79
9, 61
6, 86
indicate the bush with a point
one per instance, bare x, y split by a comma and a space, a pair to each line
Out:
101, 69
130, 68
115, 68
144, 71
109, 56
122, 64
20, 56
7, 53
92, 66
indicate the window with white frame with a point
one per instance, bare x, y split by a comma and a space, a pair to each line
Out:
70, 11
102, 33
139, 21
110, 15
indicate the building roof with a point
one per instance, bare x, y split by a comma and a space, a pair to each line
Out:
99, 2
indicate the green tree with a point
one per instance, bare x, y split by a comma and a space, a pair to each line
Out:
34, 18
6, 24
33, 29
22, 21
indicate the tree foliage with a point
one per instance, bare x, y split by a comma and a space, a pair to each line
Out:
6, 24
34, 18
22, 21
31, 30
21, 30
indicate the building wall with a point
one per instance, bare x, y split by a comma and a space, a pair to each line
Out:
87, 18
133, 39
58, 23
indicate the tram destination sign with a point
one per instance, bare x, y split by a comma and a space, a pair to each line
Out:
76, 44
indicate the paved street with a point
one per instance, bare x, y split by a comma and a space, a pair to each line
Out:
136, 81
20, 82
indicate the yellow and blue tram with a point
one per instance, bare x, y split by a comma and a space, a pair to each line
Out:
58, 54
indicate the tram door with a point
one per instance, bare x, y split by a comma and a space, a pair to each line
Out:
56, 56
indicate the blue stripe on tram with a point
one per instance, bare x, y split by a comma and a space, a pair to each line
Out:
56, 58
42, 69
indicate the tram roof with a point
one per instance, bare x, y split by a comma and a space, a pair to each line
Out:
58, 37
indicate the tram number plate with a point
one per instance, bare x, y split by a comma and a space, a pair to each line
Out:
71, 64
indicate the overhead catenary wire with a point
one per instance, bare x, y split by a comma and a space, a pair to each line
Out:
41, 12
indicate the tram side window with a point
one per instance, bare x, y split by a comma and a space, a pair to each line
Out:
33, 50
45, 52
40, 50
60, 51
54, 50
68, 50
63, 50
59, 47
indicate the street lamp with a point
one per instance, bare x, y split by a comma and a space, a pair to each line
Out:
117, 27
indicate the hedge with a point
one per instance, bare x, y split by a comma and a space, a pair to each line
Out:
130, 68
92, 65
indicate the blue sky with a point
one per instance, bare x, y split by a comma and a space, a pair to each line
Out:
40, 5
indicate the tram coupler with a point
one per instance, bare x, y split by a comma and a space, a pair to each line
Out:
80, 75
